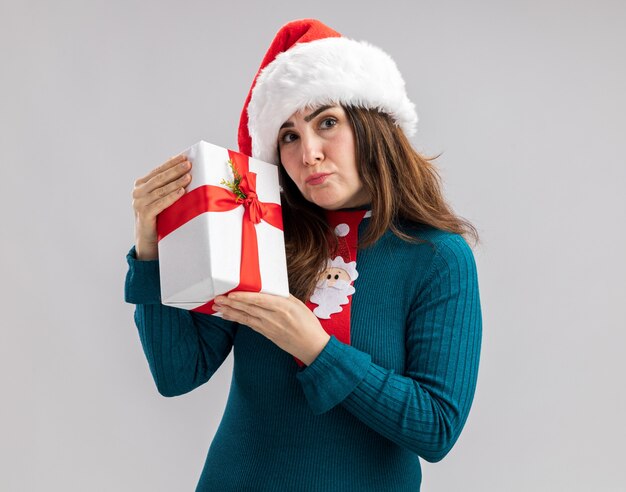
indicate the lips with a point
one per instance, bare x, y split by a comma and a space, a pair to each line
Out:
317, 178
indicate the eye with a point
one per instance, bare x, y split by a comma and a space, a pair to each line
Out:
336, 277
328, 277
327, 123
287, 137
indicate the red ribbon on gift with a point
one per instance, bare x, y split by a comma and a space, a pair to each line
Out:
209, 198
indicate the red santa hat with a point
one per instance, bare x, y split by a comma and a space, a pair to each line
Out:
307, 65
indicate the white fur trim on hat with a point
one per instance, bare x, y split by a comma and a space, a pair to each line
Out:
325, 71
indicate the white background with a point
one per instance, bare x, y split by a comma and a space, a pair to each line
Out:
524, 98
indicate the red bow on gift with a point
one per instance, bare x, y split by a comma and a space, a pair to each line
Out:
208, 198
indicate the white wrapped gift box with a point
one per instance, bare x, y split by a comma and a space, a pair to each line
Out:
200, 257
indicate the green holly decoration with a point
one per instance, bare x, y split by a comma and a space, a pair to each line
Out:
234, 185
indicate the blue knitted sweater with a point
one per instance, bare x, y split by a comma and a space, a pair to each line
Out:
360, 415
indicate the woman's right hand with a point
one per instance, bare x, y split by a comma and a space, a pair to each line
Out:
152, 194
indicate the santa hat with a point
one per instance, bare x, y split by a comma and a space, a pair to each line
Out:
342, 257
307, 65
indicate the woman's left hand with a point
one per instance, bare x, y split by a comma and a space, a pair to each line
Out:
287, 322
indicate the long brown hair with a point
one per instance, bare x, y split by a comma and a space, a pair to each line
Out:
405, 190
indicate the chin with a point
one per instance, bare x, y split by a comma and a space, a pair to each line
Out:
321, 202
326, 204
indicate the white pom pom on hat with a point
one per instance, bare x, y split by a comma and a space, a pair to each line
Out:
308, 65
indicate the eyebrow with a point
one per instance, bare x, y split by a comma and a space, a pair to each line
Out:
315, 113
289, 124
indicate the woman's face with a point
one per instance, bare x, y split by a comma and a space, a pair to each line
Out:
317, 150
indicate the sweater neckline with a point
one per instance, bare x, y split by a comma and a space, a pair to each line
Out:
367, 206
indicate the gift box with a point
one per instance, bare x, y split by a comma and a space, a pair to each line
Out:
225, 233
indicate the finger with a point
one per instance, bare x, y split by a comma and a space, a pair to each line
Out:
252, 309
230, 313
148, 193
157, 206
266, 301
142, 202
243, 307
166, 177
173, 161
165, 190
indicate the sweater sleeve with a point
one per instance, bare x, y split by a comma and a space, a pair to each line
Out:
183, 348
425, 408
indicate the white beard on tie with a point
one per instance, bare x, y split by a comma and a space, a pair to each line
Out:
330, 298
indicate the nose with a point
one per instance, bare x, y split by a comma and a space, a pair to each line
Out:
312, 152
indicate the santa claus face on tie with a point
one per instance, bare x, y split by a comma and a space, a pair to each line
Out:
332, 275
334, 287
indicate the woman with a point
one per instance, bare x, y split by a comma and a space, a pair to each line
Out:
372, 362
